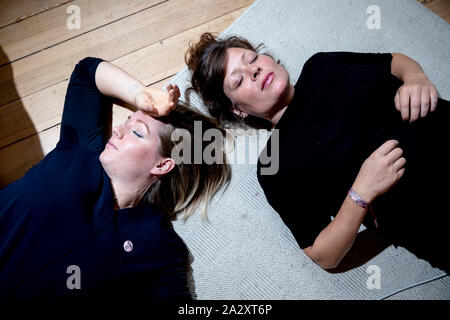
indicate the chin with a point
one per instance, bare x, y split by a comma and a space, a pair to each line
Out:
106, 164
104, 157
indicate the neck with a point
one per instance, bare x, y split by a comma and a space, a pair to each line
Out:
277, 116
128, 195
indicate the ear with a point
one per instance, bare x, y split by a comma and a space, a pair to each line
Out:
237, 112
164, 166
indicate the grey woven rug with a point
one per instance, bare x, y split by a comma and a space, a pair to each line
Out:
245, 251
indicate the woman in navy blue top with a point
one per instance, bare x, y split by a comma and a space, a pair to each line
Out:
92, 219
359, 137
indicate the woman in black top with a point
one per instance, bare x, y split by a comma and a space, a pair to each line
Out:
342, 142
92, 219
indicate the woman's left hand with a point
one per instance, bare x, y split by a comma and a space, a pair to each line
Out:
417, 95
158, 102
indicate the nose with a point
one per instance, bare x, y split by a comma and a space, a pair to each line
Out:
254, 71
118, 131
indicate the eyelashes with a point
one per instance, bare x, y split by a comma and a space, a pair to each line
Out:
137, 134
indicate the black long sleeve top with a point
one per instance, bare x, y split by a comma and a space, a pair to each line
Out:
61, 216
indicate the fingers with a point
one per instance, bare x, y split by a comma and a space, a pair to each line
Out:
434, 99
171, 92
404, 104
400, 173
176, 90
387, 147
174, 93
394, 155
397, 101
410, 103
399, 164
425, 103
415, 99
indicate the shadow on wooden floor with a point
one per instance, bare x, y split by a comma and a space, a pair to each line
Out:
17, 153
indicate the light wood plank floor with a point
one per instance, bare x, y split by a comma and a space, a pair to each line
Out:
40, 43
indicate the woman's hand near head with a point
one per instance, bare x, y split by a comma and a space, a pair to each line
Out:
380, 171
158, 102
115, 82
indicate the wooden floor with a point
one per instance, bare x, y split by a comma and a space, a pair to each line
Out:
39, 48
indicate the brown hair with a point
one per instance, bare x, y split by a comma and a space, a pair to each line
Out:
188, 185
207, 60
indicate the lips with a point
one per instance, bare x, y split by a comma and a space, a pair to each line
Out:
267, 80
111, 145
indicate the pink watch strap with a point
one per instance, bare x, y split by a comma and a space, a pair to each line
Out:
366, 205
355, 197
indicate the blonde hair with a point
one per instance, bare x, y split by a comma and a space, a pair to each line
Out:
188, 185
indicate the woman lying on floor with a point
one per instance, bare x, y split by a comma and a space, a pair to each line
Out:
344, 149
92, 219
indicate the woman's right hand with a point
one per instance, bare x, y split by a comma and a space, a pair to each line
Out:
380, 172
158, 102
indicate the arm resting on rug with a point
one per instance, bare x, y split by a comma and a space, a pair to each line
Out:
333, 242
379, 173
417, 95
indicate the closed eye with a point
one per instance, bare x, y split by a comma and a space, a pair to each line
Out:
253, 60
137, 134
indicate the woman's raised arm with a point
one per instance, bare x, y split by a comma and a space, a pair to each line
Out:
114, 82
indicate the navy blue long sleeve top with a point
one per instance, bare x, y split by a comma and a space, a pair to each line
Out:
60, 236
342, 111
